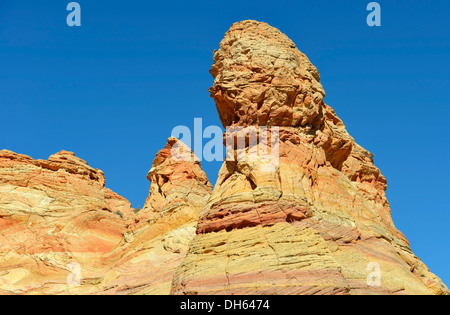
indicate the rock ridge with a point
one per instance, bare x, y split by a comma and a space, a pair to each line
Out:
316, 224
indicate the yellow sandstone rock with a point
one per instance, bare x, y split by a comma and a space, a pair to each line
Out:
319, 223
55, 213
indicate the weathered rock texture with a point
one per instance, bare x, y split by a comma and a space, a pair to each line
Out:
57, 212
314, 225
52, 213
157, 239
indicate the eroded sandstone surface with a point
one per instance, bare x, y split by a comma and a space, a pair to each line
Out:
315, 224
58, 212
157, 238
52, 213
322, 219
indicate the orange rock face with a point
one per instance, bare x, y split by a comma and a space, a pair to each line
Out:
320, 223
157, 238
316, 223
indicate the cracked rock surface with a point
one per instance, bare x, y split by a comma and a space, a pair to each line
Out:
316, 224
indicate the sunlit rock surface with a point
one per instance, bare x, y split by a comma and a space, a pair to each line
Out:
317, 224
58, 212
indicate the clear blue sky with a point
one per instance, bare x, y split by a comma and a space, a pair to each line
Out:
112, 90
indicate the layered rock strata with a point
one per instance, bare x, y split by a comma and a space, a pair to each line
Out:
52, 213
57, 221
320, 223
157, 238
315, 222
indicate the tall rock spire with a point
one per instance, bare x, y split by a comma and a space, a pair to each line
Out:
158, 237
318, 224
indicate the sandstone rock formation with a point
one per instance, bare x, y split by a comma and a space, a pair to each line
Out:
53, 213
157, 238
58, 212
319, 222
